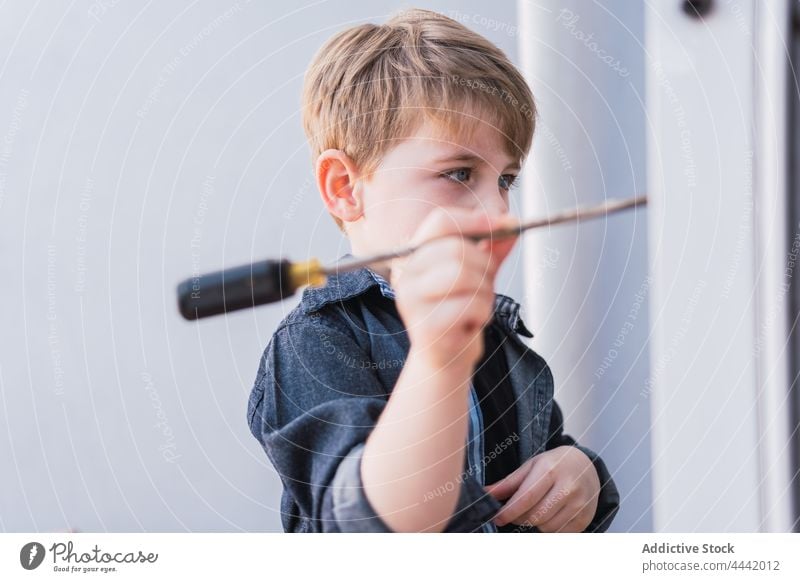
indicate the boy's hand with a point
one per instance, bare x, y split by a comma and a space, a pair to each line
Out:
445, 290
556, 491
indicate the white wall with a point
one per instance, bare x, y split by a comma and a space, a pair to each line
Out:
717, 92
140, 142
588, 286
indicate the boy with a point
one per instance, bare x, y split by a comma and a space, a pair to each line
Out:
400, 397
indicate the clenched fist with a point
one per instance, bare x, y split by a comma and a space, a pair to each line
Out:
445, 290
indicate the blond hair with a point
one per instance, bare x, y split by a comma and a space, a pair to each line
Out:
371, 85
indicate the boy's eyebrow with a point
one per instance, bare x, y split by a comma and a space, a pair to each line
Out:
459, 157
470, 157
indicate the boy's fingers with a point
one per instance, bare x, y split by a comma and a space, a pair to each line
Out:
532, 490
551, 523
505, 487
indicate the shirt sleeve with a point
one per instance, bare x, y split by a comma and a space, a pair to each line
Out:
315, 401
608, 500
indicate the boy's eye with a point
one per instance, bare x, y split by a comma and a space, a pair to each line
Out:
506, 181
458, 175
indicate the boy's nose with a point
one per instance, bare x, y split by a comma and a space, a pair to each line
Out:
496, 205
491, 201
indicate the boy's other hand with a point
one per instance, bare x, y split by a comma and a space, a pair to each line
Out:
445, 290
556, 491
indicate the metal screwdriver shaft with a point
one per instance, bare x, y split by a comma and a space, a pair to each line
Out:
575, 214
271, 280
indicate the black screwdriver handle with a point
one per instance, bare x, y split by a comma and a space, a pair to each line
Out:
235, 288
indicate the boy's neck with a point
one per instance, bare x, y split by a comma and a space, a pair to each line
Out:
382, 270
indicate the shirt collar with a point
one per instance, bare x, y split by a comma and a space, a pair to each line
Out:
346, 285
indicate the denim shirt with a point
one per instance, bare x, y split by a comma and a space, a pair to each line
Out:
327, 374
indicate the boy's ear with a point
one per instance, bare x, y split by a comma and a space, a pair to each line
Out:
337, 180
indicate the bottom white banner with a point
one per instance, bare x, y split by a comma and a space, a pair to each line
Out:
355, 557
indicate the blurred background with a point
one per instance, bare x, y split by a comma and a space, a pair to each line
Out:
143, 143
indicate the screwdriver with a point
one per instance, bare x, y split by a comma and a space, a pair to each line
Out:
273, 280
